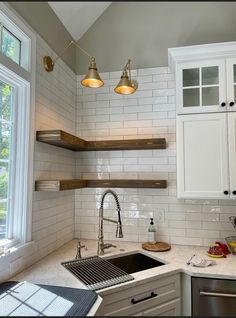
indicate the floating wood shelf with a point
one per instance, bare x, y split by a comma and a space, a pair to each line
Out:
60, 185
63, 139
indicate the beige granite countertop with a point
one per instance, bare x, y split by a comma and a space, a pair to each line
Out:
50, 271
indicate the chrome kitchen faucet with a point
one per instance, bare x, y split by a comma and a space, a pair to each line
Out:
101, 245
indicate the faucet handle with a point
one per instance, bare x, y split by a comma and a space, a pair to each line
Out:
79, 247
108, 245
79, 244
82, 246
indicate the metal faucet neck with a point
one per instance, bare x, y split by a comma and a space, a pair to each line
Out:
119, 233
114, 195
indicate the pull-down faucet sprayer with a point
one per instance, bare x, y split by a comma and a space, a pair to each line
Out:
101, 245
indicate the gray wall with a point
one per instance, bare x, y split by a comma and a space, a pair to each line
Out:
143, 31
44, 21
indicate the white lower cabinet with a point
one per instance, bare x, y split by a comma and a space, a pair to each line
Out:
171, 308
160, 297
206, 156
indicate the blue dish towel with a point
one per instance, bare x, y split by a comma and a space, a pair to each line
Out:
27, 299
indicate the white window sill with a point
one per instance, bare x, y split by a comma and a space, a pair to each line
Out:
8, 243
14, 248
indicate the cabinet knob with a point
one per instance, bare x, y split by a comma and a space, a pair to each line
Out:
234, 192
226, 192
223, 104
231, 104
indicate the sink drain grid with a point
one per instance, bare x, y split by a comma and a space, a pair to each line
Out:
97, 273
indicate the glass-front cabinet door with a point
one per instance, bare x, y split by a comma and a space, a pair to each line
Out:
200, 86
231, 83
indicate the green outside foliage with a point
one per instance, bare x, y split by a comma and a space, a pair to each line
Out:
10, 46
5, 130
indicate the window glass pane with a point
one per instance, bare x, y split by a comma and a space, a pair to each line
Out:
3, 219
210, 96
191, 77
5, 101
234, 92
5, 139
4, 176
191, 97
11, 45
210, 75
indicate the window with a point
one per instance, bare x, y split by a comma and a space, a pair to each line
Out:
10, 45
17, 72
15, 40
6, 132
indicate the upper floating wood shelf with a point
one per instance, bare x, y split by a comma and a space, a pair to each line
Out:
60, 185
63, 139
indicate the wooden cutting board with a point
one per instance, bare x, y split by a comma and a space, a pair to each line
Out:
156, 247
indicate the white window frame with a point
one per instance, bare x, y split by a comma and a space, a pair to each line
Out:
12, 25
22, 78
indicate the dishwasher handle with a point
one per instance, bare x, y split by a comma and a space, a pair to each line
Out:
206, 293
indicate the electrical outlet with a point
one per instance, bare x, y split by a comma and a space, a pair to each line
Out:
233, 220
160, 215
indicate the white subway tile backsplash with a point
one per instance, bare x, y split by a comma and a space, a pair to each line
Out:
137, 109
154, 70
148, 113
163, 77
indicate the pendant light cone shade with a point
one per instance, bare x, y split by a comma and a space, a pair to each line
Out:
92, 79
124, 86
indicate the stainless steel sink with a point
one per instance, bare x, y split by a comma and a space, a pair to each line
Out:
97, 273
134, 262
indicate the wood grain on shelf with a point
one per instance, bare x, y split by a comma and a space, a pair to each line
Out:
60, 185
126, 183
129, 144
63, 139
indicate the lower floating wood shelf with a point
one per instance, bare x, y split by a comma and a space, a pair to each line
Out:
61, 185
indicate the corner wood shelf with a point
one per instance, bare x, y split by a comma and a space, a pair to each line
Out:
65, 140
61, 185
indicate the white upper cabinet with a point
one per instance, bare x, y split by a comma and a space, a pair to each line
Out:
200, 86
205, 77
202, 156
231, 83
232, 152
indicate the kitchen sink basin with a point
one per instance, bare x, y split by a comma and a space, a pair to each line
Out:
136, 262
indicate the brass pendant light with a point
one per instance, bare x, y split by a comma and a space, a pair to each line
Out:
126, 86
92, 79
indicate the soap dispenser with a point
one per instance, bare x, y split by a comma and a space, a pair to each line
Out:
151, 232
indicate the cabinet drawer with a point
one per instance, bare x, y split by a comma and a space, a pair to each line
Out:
171, 308
120, 303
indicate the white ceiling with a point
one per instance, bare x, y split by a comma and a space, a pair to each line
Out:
78, 16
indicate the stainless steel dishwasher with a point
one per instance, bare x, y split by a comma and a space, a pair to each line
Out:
213, 297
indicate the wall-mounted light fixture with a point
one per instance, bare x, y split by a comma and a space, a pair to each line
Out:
126, 85
92, 79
